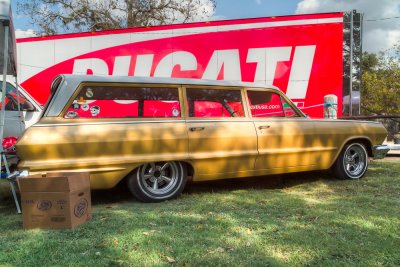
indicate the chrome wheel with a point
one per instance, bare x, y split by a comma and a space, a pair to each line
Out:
355, 161
158, 178
352, 162
158, 181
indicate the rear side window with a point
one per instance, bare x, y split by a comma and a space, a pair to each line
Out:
264, 104
207, 103
125, 102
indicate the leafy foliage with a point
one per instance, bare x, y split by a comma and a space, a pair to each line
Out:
55, 16
381, 82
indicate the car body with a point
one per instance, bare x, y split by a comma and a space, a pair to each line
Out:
17, 120
157, 132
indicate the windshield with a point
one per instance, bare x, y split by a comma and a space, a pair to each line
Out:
13, 98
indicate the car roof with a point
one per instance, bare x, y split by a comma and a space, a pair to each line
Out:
159, 80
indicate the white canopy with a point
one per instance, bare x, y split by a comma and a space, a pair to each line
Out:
7, 21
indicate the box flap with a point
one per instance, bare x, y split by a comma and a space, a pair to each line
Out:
54, 182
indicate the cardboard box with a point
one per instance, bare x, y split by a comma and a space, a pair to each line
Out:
55, 200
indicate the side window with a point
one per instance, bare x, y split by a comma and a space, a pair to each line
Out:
207, 103
12, 98
264, 104
125, 102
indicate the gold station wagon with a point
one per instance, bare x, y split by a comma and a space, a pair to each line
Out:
156, 132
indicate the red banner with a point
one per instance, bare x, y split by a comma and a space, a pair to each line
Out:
302, 55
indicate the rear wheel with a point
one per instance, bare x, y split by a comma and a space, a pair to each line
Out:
158, 181
352, 162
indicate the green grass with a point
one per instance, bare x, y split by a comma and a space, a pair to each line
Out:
307, 219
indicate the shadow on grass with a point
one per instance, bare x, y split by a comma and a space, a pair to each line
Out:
121, 193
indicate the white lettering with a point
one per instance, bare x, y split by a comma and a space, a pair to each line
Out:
121, 65
143, 65
222, 62
186, 61
228, 60
266, 59
94, 66
300, 73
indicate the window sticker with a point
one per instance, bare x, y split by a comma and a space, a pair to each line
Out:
175, 112
89, 93
85, 107
71, 114
95, 110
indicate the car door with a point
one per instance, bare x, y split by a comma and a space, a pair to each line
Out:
285, 136
222, 139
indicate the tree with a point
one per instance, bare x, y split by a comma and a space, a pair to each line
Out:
56, 16
381, 85
369, 62
381, 82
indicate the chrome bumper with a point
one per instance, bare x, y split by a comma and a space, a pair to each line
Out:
380, 151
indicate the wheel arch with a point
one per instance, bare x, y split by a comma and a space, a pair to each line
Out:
358, 139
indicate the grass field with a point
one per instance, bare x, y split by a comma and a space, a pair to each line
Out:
296, 220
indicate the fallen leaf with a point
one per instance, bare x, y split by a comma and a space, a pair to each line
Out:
116, 242
151, 232
170, 259
220, 250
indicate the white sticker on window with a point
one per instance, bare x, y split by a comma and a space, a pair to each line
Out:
71, 114
75, 106
85, 107
95, 110
89, 93
175, 112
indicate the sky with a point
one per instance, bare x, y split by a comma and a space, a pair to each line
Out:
381, 17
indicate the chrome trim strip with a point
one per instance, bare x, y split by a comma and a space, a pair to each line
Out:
103, 123
340, 120
161, 121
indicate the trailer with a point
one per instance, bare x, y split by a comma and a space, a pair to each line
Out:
304, 55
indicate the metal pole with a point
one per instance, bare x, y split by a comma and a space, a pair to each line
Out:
361, 53
351, 65
20, 113
3, 89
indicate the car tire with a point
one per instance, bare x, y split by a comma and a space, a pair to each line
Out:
158, 181
352, 162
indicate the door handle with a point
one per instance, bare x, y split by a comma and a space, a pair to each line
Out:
263, 127
196, 129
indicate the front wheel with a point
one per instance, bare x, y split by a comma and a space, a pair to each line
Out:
352, 162
158, 181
